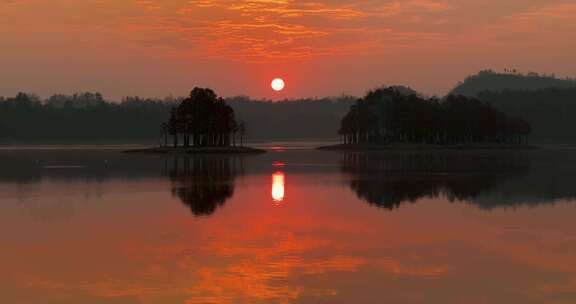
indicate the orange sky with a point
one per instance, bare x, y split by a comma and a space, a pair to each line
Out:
320, 47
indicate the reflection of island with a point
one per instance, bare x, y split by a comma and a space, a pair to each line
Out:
203, 183
486, 179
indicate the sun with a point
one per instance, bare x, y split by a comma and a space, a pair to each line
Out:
277, 84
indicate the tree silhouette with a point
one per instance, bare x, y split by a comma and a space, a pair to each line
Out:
201, 120
2, 130
242, 131
388, 115
164, 134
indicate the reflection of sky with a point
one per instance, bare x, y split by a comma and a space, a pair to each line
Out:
135, 243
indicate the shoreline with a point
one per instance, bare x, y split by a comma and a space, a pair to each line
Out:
425, 147
197, 150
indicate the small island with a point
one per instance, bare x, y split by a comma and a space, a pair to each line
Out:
424, 147
202, 123
397, 118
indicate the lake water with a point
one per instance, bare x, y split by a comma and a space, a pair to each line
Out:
291, 226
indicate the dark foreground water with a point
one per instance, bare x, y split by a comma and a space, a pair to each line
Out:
291, 226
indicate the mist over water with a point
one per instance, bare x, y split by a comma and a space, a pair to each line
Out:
290, 226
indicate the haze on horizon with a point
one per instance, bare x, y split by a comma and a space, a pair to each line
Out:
320, 47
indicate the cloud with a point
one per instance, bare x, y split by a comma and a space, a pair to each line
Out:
266, 30
536, 27
7, 2
283, 30
560, 16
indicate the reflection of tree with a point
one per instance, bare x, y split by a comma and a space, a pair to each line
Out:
203, 183
389, 179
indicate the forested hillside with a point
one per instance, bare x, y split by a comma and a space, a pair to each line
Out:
550, 111
489, 80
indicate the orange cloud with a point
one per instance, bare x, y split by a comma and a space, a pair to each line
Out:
552, 17
415, 38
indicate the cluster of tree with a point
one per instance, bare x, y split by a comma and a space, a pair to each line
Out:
550, 111
203, 119
489, 80
393, 115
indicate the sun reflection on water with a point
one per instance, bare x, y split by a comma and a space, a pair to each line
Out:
278, 186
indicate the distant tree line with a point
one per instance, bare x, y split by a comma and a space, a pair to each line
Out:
203, 119
547, 104
83, 117
392, 115
307, 118
89, 117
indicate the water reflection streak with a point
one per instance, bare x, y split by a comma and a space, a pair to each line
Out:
278, 186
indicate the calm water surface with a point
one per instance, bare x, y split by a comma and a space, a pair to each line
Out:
291, 226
